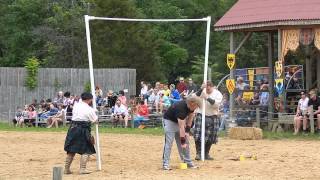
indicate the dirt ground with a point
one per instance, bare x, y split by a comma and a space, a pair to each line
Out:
26, 155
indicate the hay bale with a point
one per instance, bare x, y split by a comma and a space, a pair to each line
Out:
245, 133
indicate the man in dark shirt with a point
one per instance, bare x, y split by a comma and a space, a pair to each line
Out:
315, 102
177, 122
191, 87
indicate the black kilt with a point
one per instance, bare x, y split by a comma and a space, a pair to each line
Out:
211, 129
78, 138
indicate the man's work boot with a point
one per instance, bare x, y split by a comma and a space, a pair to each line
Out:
68, 162
83, 164
207, 151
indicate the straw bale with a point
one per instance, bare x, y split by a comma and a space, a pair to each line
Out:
245, 133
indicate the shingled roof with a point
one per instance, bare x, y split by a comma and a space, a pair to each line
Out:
248, 14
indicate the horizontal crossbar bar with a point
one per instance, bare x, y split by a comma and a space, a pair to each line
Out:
145, 20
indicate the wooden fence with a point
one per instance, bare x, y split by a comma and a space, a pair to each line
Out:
13, 92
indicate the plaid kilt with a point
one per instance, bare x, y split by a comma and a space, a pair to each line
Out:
78, 138
211, 129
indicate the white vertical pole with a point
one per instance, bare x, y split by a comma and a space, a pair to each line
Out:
205, 77
86, 18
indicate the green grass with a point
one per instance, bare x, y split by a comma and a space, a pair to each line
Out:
157, 132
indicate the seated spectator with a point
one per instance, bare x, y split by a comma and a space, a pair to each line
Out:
120, 114
18, 118
142, 114
255, 100
314, 101
164, 103
122, 98
31, 115
174, 94
301, 113
52, 111
240, 86
59, 117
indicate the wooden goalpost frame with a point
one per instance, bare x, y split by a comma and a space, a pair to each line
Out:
205, 74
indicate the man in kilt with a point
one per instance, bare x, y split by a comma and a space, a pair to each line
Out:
79, 139
213, 99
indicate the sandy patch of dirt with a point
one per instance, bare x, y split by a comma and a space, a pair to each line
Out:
32, 155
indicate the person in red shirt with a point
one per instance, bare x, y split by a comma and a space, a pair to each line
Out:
181, 86
142, 114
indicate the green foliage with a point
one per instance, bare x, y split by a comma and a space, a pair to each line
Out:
54, 32
32, 67
87, 87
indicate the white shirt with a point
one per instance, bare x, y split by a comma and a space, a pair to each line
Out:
212, 109
144, 90
83, 112
122, 109
303, 104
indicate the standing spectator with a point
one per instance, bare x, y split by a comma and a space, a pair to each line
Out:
157, 85
191, 87
174, 94
122, 98
181, 86
166, 90
59, 99
99, 94
164, 102
314, 101
144, 91
301, 113
264, 97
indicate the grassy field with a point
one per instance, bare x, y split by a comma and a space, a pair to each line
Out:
155, 131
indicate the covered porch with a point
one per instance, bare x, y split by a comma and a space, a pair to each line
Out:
296, 27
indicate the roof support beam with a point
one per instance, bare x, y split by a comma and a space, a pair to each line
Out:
246, 37
271, 73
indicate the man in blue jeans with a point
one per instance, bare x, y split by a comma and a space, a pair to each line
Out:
177, 122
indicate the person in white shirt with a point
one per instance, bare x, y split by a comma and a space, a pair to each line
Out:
301, 114
120, 114
79, 139
213, 99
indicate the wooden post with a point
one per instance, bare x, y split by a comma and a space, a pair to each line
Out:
231, 103
283, 95
311, 119
258, 117
308, 69
271, 76
57, 173
37, 120
318, 70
